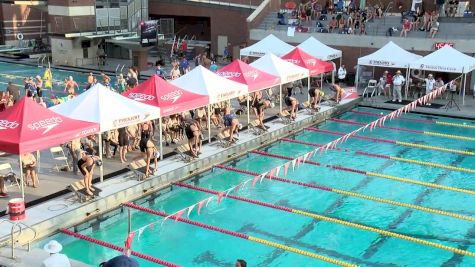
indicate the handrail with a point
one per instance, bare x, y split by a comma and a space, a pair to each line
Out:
121, 69
14, 239
257, 11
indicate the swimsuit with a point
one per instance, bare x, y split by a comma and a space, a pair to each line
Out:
88, 168
228, 119
123, 139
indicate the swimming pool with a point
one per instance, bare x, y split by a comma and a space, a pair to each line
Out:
17, 72
340, 197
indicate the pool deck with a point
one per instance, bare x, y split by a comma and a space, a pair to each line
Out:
64, 211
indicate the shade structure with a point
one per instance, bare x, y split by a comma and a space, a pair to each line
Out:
169, 98
274, 65
28, 127
319, 50
269, 44
315, 66
109, 109
202, 81
389, 56
254, 78
446, 59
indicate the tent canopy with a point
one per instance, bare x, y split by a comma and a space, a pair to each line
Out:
254, 78
446, 59
204, 82
270, 44
390, 56
319, 50
109, 109
28, 127
170, 99
287, 71
302, 59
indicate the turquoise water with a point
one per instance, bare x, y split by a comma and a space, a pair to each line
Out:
17, 72
190, 245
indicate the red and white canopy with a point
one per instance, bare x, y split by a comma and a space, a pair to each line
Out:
274, 65
315, 66
28, 127
254, 78
202, 81
169, 98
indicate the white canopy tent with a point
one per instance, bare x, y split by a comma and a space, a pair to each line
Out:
319, 50
447, 59
287, 71
270, 44
205, 82
389, 56
109, 109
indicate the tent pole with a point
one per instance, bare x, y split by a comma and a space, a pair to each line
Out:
280, 95
161, 137
407, 83
22, 182
38, 159
321, 82
356, 77
464, 85
248, 111
101, 168
209, 124
308, 89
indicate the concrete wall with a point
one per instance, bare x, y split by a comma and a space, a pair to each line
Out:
69, 51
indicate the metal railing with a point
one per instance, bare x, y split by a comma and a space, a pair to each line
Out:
15, 233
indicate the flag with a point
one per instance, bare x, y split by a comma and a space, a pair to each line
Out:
128, 241
178, 214
140, 233
220, 196
48, 79
271, 172
190, 208
298, 162
151, 226
294, 161
200, 205
277, 170
262, 177
286, 168
254, 181
166, 218
236, 188
208, 201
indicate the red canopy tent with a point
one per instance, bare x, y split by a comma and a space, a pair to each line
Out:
169, 98
302, 59
28, 127
254, 78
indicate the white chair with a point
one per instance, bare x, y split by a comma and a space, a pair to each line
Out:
58, 156
371, 88
7, 174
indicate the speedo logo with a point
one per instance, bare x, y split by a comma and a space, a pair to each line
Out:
174, 96
229, 74
4, 124
141, 97
294, 61
311, 62
252, 73
46, 125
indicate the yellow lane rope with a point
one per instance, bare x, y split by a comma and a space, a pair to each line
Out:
463, 152
455, 124
432, 164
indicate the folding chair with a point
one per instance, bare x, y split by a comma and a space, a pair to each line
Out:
57, 153
7, 174
284, 116
184, 152
372, 86
256, 128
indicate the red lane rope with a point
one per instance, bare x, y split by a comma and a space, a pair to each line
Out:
399, 118
271, 177
381, 126
115, 247
353, 136
210, 227
337, 148
272, 206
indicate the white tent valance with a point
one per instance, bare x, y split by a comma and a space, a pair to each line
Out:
446, 59
274, 65
109, 109
205, 82
319, 50
389, 56
270, 44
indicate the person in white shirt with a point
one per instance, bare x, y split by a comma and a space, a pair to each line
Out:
398, 81
341, 74
55, 259
430, 84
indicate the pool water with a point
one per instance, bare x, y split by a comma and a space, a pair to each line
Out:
17, 72
189, 245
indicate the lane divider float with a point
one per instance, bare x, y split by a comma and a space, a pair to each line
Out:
374, 155
334, 220
375, 174
115, 247
243, 236
417, 120
381, 140
353, 194
452, 136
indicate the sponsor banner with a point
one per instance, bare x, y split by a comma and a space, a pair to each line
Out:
383, 63
437, 68
45, 125
256, 54
5, 124
333, 56
87, 132
141, 97
350, 93
172, 96
228, 95
439, 45
123, 122
294, 77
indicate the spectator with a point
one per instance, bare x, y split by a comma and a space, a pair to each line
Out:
333, 24
175, 72
389, 84
159, 71
398, 81
430, 84
13, 90
434, 28
121, 83
213, 67
451, 10
28, 162
406, 27
101, 55
440, 6
184, 66
120, 261
55, 258
341, 74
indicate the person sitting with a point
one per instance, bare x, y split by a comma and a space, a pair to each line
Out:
55, 258
259, 108
292, 103
338, 92
434, 28
406, 27
333, 24
28, 162
231, 123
